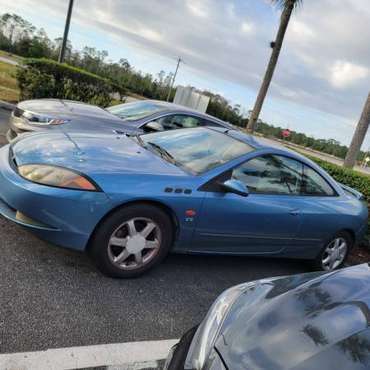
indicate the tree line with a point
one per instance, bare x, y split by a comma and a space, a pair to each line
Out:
20, 37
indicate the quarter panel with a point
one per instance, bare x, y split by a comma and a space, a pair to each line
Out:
322, 217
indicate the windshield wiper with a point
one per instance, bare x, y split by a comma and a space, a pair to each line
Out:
137, 138
140, 140
163, 152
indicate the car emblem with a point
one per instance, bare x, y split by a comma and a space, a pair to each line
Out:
190, 213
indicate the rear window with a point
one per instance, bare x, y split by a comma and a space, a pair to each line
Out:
315, 184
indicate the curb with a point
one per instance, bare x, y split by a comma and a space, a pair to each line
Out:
6, 105
148, 355
154, 365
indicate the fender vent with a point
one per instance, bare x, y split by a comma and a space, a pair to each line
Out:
178, 191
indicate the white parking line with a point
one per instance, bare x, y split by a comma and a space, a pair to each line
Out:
90, 356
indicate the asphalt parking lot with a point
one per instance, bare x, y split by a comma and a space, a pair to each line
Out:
51, 297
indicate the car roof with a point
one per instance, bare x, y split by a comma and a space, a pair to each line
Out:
170, 107
261, 143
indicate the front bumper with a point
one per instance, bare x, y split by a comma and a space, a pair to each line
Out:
61, 216
177, 356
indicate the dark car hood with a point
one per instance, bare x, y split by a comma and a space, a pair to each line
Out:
90, 153
65, 108
301, 323
79, 116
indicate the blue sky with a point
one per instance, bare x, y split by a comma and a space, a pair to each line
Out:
323, 75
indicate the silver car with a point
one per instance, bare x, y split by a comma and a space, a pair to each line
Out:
132, 118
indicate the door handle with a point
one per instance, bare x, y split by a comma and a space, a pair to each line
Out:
294, 212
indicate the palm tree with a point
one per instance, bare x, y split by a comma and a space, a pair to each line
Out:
287, 7
359, 136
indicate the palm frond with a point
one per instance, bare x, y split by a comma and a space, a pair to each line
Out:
284, 3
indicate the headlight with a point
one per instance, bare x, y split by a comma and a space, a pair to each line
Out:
37, 119
207, 332
56, 176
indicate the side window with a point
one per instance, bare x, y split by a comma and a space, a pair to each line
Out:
271, 174
315, 184
172, 122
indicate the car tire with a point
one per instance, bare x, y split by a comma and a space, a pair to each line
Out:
131, 241
335, 252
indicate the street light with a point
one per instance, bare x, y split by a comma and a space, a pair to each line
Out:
66, 30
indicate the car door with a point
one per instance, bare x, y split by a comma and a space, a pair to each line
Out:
266, 221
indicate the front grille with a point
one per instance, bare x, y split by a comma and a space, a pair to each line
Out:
18, 112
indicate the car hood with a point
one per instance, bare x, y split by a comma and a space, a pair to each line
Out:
79, 116
300, 323
90, 153
64, 108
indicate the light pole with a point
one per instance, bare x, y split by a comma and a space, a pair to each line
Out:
179, 60
66, 30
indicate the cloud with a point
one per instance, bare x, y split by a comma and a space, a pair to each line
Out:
198, 8
150, 34
326, 57
247, 27
344, 74
300, 30
324, 63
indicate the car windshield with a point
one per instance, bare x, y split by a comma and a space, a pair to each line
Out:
195, 149
136, 110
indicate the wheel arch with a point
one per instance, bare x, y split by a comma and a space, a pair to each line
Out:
346, 230
164, 207
351, 233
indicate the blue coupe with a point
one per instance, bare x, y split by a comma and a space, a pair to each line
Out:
129, 201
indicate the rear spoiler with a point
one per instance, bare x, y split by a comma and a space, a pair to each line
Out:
352, 191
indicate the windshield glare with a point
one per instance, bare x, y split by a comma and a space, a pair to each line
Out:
198, 149
135, 111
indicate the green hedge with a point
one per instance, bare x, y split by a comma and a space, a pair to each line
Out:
44, 78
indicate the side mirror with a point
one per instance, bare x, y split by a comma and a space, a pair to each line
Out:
235, 186
153, 127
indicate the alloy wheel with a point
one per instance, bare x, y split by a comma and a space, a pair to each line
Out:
134, 243
334, 254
